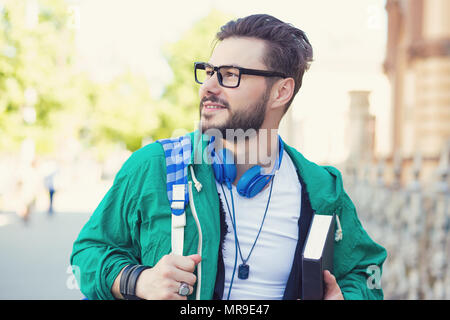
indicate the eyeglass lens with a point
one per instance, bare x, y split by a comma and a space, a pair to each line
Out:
227, 76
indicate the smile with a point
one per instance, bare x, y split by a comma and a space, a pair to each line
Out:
213, 107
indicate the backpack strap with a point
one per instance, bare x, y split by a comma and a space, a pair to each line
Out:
178, 155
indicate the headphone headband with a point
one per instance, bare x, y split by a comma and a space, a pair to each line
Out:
252, 181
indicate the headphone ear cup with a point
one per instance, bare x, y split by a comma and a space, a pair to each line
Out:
223, 166
252, 182
218, 172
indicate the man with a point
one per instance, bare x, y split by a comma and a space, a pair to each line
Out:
238, 243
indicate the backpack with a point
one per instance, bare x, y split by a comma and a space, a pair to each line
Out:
177, 152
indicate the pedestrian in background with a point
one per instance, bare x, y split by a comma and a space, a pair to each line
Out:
50, 185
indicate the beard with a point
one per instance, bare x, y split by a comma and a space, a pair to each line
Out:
239, 122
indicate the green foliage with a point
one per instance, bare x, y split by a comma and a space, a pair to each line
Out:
123, 111
38, 72
180, 98
35, 69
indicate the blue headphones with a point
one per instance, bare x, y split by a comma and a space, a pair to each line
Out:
252, 181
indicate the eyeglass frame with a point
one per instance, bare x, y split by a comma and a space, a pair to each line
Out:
254, 72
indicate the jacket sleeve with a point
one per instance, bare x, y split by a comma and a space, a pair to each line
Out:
358, 259
106, 243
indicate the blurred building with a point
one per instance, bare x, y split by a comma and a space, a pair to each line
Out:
418, 67
404, 200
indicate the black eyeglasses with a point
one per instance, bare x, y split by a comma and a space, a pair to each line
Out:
228, 76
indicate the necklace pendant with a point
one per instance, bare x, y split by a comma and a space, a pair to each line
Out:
243, 271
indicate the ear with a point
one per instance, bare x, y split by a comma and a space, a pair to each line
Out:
282, 92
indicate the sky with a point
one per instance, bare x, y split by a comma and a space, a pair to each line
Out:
348, 38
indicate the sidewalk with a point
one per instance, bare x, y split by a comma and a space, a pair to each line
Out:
35, 256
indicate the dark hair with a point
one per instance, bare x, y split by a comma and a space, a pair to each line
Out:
288, 48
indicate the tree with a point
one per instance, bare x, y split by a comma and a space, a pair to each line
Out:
123, 112
180, 100
44, 96
36, 70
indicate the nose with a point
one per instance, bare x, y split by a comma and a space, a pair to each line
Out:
210, 86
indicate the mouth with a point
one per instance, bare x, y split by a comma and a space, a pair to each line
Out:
212, 106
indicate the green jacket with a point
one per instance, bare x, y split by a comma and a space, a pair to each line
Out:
132, 225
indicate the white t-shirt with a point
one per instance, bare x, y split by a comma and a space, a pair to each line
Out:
271, 260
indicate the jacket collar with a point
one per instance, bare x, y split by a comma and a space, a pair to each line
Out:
323, 183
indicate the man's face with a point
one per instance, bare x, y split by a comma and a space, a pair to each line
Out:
243, 107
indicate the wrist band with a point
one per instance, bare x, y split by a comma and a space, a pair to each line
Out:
129, 279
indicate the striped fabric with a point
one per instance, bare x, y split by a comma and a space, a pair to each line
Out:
178, 155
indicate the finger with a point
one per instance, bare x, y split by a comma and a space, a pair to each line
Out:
196, 258
328, 278
184, 276
172, 273
184, 263
332, 290
171, 291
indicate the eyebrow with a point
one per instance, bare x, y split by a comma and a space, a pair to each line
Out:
238, 66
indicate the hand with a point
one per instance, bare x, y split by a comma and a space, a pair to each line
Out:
332, 290
163, 280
